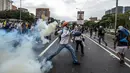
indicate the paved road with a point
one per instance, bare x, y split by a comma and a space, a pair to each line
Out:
39, 50
97, 59
109, 40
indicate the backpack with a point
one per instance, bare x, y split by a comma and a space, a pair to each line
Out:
103, 31
77, 33
124, 36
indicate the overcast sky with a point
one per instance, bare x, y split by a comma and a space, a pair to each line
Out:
66, 9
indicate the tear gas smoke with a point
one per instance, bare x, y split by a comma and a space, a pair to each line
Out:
16, 53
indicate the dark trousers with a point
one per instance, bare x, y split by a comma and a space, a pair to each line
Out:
91, 33
78, 42
102, 38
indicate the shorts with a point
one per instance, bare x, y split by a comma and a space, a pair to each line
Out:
122, 49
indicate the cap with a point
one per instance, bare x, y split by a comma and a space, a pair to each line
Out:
65, 24
120, 27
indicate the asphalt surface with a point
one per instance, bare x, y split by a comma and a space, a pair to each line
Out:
110, 47
109, 40
96, 60
37, 51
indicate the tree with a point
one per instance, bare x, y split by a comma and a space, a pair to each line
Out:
15, 14
108, 20
89, 23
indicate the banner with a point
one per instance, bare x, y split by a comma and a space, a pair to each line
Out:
80, 17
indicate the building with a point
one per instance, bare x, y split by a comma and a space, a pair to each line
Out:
14, 7
5, 5
93, 18
127, 8
23, 9
42, 11
108, 12
121, 9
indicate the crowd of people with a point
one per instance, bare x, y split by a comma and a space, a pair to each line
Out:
67, 35
22, 27
75, 34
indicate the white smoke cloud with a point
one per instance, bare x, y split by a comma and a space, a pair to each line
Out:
16, 53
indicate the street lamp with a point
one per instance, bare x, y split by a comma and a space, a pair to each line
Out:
20, 9
129, 16
116, 15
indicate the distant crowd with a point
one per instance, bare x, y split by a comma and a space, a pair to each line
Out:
22, 27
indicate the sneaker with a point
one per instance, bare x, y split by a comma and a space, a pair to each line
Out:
106, 44
76, 63
122, 62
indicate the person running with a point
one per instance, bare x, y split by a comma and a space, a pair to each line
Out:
79, 40
122, 43
101, 35
64, 43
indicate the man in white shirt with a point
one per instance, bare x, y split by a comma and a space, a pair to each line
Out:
64, 43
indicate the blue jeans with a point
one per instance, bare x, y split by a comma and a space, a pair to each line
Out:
67, 46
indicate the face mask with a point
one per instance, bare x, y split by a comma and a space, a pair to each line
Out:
65, 28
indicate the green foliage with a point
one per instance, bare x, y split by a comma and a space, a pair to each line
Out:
15, 14
109, 20
89, 23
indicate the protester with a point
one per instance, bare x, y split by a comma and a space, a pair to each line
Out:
101, 35
91, 31
95, 30
122, 43
64, 43
24, 28
79, 40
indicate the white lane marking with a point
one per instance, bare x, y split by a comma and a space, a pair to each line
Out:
106, 50
113, 50
48, 47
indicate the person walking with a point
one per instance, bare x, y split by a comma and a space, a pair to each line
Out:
64, 43
122, 43
95, 30
101, 35
79, 40
91, 31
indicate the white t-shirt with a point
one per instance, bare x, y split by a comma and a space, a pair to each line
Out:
78, 38
65, 36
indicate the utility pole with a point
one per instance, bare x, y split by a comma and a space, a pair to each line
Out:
20, 9
116, 16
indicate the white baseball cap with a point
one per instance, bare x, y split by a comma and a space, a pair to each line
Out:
120, 27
